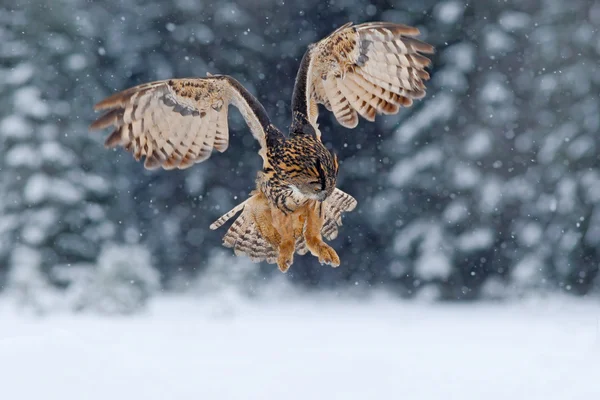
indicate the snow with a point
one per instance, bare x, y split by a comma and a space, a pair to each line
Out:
22, 155
28, 101
231, 13
76, 62
40, 222
15, 126
433, 265
490, 194
495, 91
93, 183
528, 271
55, 153
204, 34
40, 187
530, 234
479, 144
25, 258
496, 41
461, 56
406, 169
476, 239
20, 74
381, 203
449, 12
466, 176
121, 283
592, 235
452, 79
514, 20
307, 349
432, 261
456, 211
435, 109
580, 147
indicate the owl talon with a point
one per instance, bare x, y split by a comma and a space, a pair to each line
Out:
284, 263
327, 255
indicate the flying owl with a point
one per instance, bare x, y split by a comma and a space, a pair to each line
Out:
368, 69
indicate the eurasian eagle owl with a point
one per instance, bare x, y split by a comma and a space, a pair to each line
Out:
368, 69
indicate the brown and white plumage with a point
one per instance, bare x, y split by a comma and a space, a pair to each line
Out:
244, 236
368, 69
177, 123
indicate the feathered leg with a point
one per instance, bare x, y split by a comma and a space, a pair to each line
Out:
263, 219
299, 222
314, 223
257, 231
287, 245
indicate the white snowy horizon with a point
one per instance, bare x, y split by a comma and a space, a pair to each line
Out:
217, 347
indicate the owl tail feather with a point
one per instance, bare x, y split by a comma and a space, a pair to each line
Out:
227, 216
244, 234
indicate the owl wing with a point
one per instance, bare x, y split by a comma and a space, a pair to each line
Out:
177, 123
339, 202
368, 69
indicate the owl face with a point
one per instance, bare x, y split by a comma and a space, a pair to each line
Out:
317, 179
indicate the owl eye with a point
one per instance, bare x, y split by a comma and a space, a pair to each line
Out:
317, 189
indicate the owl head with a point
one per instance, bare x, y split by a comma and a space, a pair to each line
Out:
317, 173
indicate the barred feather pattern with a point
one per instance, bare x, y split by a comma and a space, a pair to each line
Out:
336, 204
177, 123
245, 238
368, 69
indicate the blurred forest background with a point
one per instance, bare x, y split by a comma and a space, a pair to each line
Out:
487, 189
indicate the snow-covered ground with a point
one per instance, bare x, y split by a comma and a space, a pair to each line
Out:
186, 348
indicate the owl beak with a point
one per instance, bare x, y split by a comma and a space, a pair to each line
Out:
322, 195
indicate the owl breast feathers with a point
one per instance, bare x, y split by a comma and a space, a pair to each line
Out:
363, 70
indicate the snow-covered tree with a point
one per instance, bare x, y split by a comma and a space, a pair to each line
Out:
121, 282
55, 187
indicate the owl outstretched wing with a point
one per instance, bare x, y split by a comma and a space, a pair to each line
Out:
177, 123
368, 69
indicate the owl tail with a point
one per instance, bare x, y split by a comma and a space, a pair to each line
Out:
244, 235
227, 216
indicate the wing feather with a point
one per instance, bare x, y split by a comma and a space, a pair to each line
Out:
367, 69
339, 202
384, 102
222, 133
177, 123
343, 111
355, 98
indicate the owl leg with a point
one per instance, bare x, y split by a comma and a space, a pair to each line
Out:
299, 222
267, 230
264, 221
314, 241
287, 244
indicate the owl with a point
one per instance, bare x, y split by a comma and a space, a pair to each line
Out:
362, 70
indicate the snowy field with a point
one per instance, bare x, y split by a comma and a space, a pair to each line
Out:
186, 348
